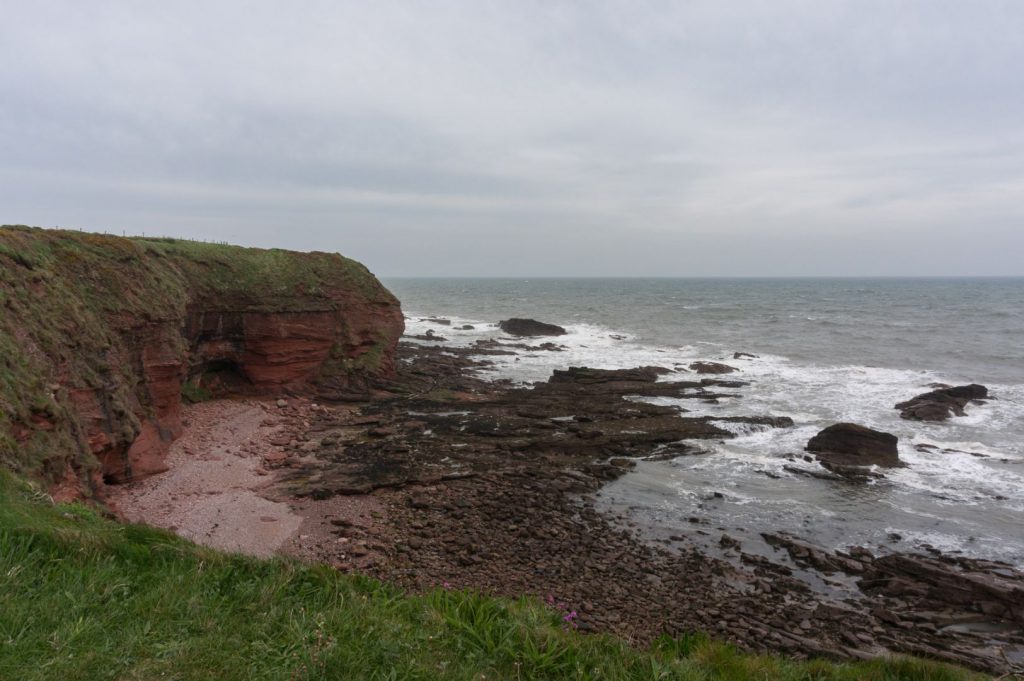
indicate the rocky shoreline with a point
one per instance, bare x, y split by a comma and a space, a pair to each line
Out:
440, 479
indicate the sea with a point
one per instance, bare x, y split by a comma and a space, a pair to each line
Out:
827, 351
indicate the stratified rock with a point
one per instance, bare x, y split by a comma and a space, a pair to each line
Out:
994, 589
848, 444
530, 327
115, 329
712, 368
939, 405
806, 554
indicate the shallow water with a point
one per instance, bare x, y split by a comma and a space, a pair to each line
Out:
828, 351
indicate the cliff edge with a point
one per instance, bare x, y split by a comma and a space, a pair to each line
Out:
101, 338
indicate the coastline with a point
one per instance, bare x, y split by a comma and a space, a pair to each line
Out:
444, 479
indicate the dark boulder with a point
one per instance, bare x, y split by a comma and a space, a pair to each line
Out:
939, 405
712, 368
530, 327
848, 444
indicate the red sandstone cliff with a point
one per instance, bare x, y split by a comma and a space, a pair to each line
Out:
107, 332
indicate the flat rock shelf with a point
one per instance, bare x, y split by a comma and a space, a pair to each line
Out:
441, 479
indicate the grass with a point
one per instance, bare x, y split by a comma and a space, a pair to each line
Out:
85, 598
193, 393
263, 277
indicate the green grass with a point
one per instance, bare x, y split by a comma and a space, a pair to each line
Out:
82, 597
193, 393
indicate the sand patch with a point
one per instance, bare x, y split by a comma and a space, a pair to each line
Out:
212, 493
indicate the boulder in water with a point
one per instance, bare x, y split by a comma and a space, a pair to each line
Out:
848, 444
939, 405
530, 327
712, 368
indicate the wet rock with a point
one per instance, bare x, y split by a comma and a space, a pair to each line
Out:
530, 327
940, 404
808, 555
430, 336
770, 421
743, 355
938, 583
848, 444
588, 376
712, 368
491, 493
728, 542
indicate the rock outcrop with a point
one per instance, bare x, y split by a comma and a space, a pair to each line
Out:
100, 337
712, 368
939, 405
530, 327
847, 444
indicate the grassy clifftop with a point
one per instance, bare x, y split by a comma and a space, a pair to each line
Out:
76, 304
85, 598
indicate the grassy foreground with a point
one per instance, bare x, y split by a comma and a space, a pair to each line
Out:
82, 597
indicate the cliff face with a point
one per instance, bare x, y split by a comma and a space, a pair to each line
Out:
101, 336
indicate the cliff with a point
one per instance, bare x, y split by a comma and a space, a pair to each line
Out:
100, 338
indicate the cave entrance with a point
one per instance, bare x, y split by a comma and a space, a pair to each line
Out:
215, 378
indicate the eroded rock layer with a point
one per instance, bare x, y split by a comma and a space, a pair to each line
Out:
101, 337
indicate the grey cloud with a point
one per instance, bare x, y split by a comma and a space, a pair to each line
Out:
458, 137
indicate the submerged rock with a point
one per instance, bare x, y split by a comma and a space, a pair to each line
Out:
530, 327
848, 444
939, 405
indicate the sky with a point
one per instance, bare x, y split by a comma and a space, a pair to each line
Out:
530, 138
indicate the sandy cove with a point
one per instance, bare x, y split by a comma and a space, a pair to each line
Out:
219, 489
214, 490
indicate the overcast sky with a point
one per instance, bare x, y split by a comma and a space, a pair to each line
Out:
528, 138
